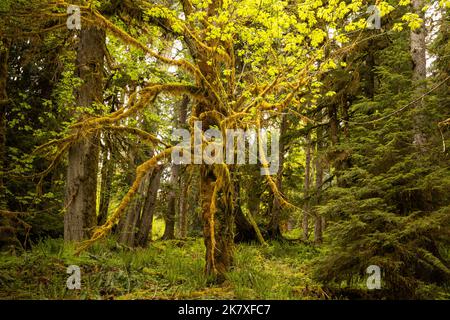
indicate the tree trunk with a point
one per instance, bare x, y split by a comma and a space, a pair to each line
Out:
183, 185
107, 174
4, 55
129, 225
8, 236
146, 222
418, 44
246, 228
218, 220
183, 208
169, 231
254, 198
418, 55
81, 188
217, 212
319, 180
206, 193
169, 217
274, 230
307, 186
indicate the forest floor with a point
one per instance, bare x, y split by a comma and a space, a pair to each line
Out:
164, 270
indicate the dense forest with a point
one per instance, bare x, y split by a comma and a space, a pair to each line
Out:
217, 149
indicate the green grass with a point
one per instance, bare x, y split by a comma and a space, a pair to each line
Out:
279, 271
165, 270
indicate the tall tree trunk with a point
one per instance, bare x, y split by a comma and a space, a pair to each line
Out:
183, 185
183, 207
81, 188
307, 186
337, 156
8, 236
345, 163
418, 55
130, 177
218, 222
129, 225
274, 224
145, 224
319, 179
107, 174
169, 217
174, 184
4, 55
217, 211
206, 193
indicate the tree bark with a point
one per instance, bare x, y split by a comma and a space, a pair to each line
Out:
418, 55
8, 236
107, 174
183, 185
247, 229
254, 198
206, 194
319, 180
169, 217
81, 187
4, 56
146, 222
307, 186
183, 208
128, 228
274, 230
217, 212
218, 222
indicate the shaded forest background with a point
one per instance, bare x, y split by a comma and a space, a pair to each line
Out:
85, 143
